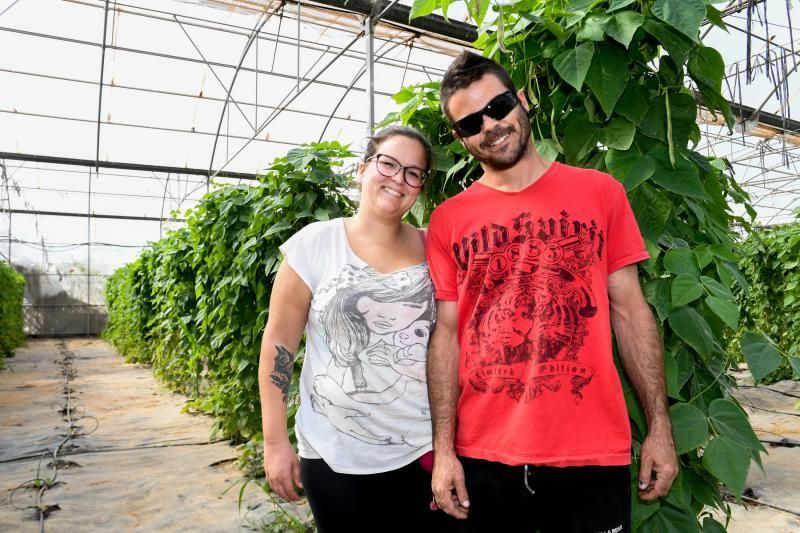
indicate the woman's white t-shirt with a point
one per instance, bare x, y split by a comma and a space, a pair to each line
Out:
363, 395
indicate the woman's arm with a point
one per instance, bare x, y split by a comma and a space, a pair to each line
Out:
288, 313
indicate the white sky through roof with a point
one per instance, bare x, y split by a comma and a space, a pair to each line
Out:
168, 66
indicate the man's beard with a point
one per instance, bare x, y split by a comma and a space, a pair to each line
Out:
512, 156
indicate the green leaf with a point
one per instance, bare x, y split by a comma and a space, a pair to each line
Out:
445, 5
657, 293
686, 288
608, 75
676, 44
794, 363
717, 289
642, 510
693, 329
729, 461
592, 28
689, 427
403, 95
619, 134
580, 136
712, 526
623, 25
684, 179
727, 311
702, 252
706, 67
547, 149
761, 355
724, 252
681, 261
684, 16
704, 489
652, 210
670, 519
619, 4
671, 375
572, 65
634, 103
731, 422
714, 16
680, 495
640, 172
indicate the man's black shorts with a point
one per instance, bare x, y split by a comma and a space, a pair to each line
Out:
585, 499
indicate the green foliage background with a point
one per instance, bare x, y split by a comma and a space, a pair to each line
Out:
12, 291
770, 260
195, 303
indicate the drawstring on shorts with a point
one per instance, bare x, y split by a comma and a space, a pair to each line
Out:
527, 486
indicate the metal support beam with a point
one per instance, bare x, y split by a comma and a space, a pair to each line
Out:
90, 215
124, 166
287, 100
260, 24
399, 15
102, 70
369, 55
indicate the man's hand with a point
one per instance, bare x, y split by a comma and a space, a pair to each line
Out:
658, 465
282, 467
449, 488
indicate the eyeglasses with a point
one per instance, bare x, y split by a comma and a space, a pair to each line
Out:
498, 108
388, 166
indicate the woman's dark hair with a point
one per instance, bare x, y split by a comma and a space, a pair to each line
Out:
465, 70
376, 140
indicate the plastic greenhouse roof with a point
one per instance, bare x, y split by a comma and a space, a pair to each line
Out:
167, 67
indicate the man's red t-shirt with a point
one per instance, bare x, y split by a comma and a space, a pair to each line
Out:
529, 271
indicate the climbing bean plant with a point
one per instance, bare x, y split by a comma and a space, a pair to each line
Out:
12, 287
770, 260
614, 85
195, 303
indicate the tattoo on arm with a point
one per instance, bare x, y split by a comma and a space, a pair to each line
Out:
282, 373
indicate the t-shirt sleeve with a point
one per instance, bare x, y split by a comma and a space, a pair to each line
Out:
624, 240
299, 250
440, 260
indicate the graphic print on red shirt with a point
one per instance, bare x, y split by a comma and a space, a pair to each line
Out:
531, 281
528, 271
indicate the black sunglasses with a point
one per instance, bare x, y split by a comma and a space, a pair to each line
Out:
498, 108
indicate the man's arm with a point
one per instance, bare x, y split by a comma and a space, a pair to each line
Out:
447, 483
642, 356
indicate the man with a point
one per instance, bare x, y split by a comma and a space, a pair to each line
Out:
532, 264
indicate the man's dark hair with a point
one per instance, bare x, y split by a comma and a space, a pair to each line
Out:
466, 69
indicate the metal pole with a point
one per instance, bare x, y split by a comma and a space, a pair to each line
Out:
89, 256
298, 46
370, 67
100, 95
4, 175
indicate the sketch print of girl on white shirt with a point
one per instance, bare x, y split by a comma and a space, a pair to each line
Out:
378, 354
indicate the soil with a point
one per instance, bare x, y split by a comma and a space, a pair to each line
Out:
147, 466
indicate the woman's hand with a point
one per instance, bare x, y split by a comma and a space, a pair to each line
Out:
282, 467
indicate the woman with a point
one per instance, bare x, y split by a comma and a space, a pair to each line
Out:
360, 288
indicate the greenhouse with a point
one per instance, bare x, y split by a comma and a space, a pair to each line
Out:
166, 172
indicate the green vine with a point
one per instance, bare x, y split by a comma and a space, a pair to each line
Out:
195, 303
12, 289
770, 260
